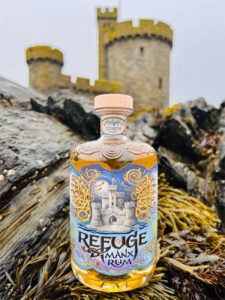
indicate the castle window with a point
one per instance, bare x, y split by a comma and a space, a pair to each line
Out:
141, 51
112, 220
160, 83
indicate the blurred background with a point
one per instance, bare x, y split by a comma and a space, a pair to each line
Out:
197, 56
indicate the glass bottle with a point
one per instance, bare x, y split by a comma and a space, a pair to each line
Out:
113, 204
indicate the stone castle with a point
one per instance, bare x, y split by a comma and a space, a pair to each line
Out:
132, 60
112, 213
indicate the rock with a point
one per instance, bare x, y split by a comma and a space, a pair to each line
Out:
141, 128
38, 218
149, 132
39, 106
15, 94
170, 169
84, 101
139, 137
220, 202
177, 136
178, 174
30, 145
34, 179
219, 168
87, 124
206, 116
222, 117
71, 113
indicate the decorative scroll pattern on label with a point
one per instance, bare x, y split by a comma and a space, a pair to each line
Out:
113, 218
113, 126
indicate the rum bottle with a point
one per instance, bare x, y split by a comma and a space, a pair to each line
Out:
113, 204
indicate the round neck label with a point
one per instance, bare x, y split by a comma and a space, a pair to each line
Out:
113, 126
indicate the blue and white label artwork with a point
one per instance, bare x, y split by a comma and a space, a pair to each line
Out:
113, 217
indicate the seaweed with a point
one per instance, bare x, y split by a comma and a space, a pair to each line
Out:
191, 259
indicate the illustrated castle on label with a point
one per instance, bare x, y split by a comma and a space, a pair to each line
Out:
134, 60
113, 213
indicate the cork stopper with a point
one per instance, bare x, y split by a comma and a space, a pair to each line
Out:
113, 101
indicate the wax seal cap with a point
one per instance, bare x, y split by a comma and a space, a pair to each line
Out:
113, 101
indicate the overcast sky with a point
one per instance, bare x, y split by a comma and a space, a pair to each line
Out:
197, 58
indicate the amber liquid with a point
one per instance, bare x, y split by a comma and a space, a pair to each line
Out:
128, 152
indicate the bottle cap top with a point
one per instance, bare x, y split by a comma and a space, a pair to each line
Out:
113, 101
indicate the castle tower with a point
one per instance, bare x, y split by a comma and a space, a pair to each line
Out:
105, 200
96, 214
137, 57
45, 66
105, 19
130, 213
112, 196
120, 200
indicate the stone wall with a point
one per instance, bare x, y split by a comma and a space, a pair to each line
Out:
45, 76
142, 65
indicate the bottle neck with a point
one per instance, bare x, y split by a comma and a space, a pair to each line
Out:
113, 123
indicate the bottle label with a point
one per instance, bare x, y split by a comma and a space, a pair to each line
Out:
113, 126
113, 218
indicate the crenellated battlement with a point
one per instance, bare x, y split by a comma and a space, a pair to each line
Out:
96, 205
45, 75
146, 28
41, 53
100, 86
107, 13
